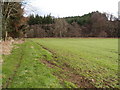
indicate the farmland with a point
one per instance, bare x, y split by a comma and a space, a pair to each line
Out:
62, 63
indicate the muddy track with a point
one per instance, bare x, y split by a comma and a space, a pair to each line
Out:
10, 79
70, 73
47, 49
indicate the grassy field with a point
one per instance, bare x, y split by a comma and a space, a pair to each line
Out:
62, 63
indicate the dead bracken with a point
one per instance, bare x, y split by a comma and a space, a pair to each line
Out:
6, 46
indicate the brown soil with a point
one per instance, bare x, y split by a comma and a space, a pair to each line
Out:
49, 64
46, 49
70, 74
81, 37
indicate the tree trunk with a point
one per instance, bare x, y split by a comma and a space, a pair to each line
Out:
6, 35
60, 34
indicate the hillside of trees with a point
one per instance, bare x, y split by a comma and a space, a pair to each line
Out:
93, 24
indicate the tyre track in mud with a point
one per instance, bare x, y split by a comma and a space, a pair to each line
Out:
71, 75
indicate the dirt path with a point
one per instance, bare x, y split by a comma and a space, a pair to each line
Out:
70, 73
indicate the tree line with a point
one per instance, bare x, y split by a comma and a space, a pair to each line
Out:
93, 24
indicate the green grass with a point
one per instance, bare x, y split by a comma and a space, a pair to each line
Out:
96, 59
31, 73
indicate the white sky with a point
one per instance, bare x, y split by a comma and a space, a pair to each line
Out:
63, 8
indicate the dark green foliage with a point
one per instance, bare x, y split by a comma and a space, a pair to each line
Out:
31, 20
81, 20
40, 20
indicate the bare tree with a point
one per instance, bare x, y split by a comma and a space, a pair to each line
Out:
99, 23
60, 28
12, 13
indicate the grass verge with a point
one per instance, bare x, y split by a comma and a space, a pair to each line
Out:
22, 68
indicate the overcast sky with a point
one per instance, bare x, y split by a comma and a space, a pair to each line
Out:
63, 8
